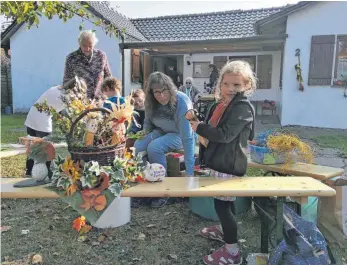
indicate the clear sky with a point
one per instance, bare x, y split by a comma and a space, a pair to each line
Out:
140, 9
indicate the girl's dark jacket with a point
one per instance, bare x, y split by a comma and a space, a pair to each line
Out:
227, 148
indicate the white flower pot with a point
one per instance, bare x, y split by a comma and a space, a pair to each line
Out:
117, 214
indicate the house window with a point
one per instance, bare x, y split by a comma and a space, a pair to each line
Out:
250, 59
340, 72
261, 65
220, 61
322, 70
201, 69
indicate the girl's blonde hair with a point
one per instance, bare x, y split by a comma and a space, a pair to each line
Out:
237, 67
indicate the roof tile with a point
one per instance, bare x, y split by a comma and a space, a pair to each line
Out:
216, 25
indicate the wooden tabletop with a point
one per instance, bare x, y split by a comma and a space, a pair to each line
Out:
197, 187
207, 97
319, 172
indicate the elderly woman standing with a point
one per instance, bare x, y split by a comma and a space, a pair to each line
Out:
190, 90
165, 124
88, 63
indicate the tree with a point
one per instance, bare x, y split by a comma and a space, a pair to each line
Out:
30, 12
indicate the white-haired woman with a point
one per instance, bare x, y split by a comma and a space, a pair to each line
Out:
87, 62
190, 90
166, 126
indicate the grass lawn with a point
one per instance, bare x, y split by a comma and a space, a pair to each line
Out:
12, 127
332, 141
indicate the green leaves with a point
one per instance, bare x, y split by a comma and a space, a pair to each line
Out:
116, 189
30, 12
91, 172
119, 163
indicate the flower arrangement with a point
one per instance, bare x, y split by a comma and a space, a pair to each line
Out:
94, 129
279, 147
95, 172
90, 188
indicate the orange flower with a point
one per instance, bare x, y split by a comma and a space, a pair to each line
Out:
71, 189
78, 223
93, 199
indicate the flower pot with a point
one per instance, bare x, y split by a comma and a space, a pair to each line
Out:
117, 214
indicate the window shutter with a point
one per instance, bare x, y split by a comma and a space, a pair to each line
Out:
135, 60
146, 67
264, 71
321, 60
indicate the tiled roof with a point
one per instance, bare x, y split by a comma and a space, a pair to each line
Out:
217, 25
119, 20
5, 24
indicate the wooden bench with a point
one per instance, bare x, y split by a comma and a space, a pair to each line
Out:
318, 172
297, 187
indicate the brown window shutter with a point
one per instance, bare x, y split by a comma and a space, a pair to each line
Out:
264, 71
135, 60
321, 60
146, 67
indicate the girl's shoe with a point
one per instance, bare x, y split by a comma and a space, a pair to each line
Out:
214, 232
223, 257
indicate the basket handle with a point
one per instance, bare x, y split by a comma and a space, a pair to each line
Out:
84, 113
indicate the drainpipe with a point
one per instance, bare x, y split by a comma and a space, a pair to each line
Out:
123, 64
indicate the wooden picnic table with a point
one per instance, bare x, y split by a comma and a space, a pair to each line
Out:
298, 187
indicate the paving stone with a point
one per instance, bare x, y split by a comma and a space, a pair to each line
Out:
330, 161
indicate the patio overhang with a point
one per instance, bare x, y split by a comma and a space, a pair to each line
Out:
256, 43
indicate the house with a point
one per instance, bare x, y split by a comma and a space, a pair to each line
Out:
268, 40
38, 55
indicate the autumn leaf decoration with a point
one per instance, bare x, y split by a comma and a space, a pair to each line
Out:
93, 198
80, 225
41, 151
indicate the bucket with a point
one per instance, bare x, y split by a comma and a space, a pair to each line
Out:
309, 210
117, 214
204, 206
264, 156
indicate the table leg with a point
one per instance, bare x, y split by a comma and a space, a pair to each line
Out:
264, 227
279, 220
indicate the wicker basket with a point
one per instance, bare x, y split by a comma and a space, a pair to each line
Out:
103, 155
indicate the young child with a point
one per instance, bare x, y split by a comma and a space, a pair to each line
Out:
39, 124
228, 127
138, 99
111, 88
139, 105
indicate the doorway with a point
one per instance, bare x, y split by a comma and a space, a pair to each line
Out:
171, 65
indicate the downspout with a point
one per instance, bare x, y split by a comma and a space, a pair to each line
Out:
123, 64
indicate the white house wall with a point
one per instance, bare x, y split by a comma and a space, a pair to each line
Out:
273, 93
38, 57
319, 106
128, 84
